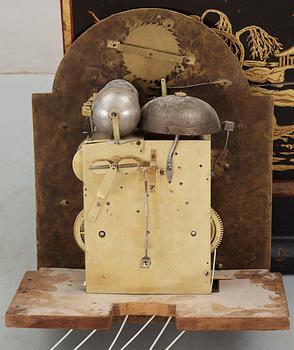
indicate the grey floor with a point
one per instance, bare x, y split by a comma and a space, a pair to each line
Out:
18, 252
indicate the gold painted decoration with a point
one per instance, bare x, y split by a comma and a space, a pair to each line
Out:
282, 98
267, 66
261, 44
67, 29
96, 19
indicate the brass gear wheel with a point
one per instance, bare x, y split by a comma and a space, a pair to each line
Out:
216, 224
217, 230
79, 230
155, 37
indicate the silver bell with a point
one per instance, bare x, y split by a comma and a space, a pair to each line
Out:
118, 98
179, 115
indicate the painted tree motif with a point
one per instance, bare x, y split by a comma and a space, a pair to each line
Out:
222, 24
224, 29
261, 44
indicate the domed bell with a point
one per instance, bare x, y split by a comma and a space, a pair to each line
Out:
179, 115
117, 98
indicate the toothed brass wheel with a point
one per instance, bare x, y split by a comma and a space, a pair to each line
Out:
79, 230
217, 230
158, 37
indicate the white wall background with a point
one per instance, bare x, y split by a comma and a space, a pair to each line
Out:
30, 41
30, 36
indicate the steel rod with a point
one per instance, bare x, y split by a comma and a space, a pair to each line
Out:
139, 332
83, 341
119, 332
146, 218
61, 340
160, 333
175, 340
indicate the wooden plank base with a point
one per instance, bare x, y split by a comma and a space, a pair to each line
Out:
55, 298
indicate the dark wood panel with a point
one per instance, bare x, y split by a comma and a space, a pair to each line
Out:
58, 128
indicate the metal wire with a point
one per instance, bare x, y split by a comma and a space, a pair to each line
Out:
175, 340
169, 163
139, 332
160, 333
221, 154
221, 82
146, 219
83, 341
61, 340
118, 333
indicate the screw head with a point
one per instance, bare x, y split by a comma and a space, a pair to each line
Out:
114, 114
102, 234
193, 233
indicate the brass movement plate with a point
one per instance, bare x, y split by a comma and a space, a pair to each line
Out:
180, 259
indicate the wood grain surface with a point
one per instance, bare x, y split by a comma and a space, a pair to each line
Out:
55, 298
